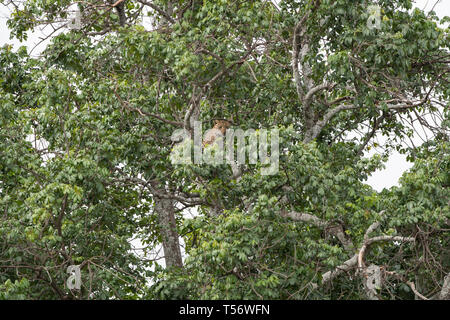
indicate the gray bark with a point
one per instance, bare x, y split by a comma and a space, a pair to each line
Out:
445, 292
164, 208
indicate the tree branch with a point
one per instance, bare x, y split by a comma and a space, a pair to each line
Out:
337, 231
409, 283
445, 291
312, 133
158, 9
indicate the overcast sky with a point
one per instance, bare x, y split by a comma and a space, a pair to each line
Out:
386, 178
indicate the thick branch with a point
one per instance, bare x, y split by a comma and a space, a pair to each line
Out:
445, 291
158, 9
299, 31
314, 90
345, 267
317, 128
312, 133
409, 283
337, 231
306, 217
357, 259
371, 241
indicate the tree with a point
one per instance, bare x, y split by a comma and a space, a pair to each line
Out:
86, 143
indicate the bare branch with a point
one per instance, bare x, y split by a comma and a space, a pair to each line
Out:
335, 230
314, 90
409, 283
371, 241
402, 104
345, 267
306, 217
158, 9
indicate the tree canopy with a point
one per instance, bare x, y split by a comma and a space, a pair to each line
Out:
86, 132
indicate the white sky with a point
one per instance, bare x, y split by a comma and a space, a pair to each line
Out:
386, 178
397, 163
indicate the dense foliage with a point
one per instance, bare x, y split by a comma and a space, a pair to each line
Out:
85, 144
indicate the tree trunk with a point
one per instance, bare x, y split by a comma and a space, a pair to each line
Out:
164, 208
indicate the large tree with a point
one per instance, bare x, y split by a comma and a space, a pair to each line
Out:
85, 145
